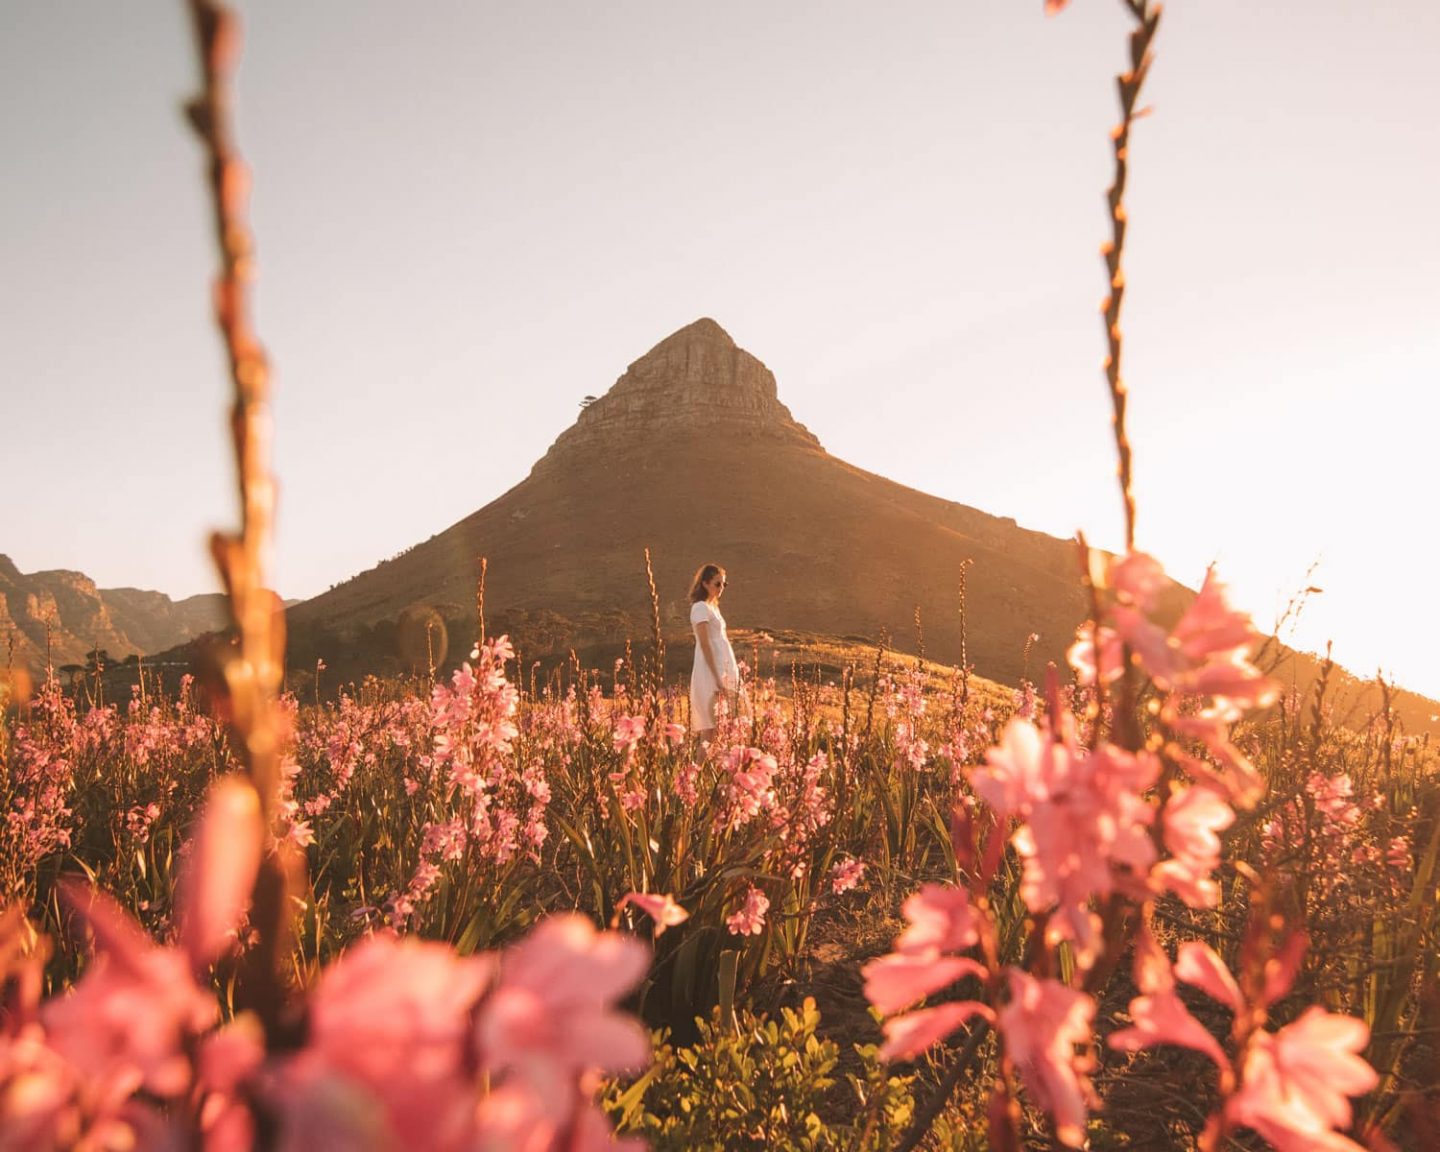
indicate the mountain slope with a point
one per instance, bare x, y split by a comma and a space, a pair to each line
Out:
692, 455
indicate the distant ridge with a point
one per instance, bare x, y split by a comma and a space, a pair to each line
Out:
81, 617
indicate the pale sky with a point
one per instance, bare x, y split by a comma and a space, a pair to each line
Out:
470, 215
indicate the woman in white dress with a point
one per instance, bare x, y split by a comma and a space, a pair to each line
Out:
716, 673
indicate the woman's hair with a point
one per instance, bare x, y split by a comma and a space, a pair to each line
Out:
703, 576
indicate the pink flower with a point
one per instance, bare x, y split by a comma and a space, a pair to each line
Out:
1192, 821
1085, 817
752, 784
1295, 1082
133, 1020
226, 1061
1198, 964
1334, 798
1230, 678
1164, 1019
1020, 770
628, 732
299, 834
1137, 578
318, 1109
1042, 1025
661, 909
846, 874
1205, 655
750, 919
941, 919
686, 780
550, 1017
1210, 627
1236, 778
1082, 655
1159, 1016
214, 887
908, 1036
513, 1118
1149, 643
128, 1021
895, 981
389, 1024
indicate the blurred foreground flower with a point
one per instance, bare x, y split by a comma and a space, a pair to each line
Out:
403, 1044
1290, 1086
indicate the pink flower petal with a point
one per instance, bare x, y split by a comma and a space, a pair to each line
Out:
608, 1040
910, 1035
1320, 1055
116, 934
1043, 1024
232, 1055
1163, 1019
1150, 643
574, 963
214, 887
940, 918
661, 909
1198, 964
1019, 770
1210, 626
1137, 578
895, 981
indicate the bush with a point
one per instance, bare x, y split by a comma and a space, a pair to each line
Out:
762, 1084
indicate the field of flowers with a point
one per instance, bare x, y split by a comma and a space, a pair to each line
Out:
1152, 902
1071, 920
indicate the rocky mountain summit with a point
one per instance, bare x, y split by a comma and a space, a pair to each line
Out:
695, 380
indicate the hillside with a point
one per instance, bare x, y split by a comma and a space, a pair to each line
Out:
691, 454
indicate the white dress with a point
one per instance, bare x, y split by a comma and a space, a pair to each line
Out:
702, 684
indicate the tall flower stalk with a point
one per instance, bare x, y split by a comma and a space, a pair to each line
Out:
245, 676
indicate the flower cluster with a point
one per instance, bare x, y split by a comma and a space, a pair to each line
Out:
1290, 1086
488, 805
406, 1044
1090, 822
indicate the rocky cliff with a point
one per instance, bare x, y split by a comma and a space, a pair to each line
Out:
695, 380
65, 613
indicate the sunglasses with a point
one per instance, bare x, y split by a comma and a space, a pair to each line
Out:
723, 583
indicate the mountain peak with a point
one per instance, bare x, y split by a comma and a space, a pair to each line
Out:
701, 331
696, 380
